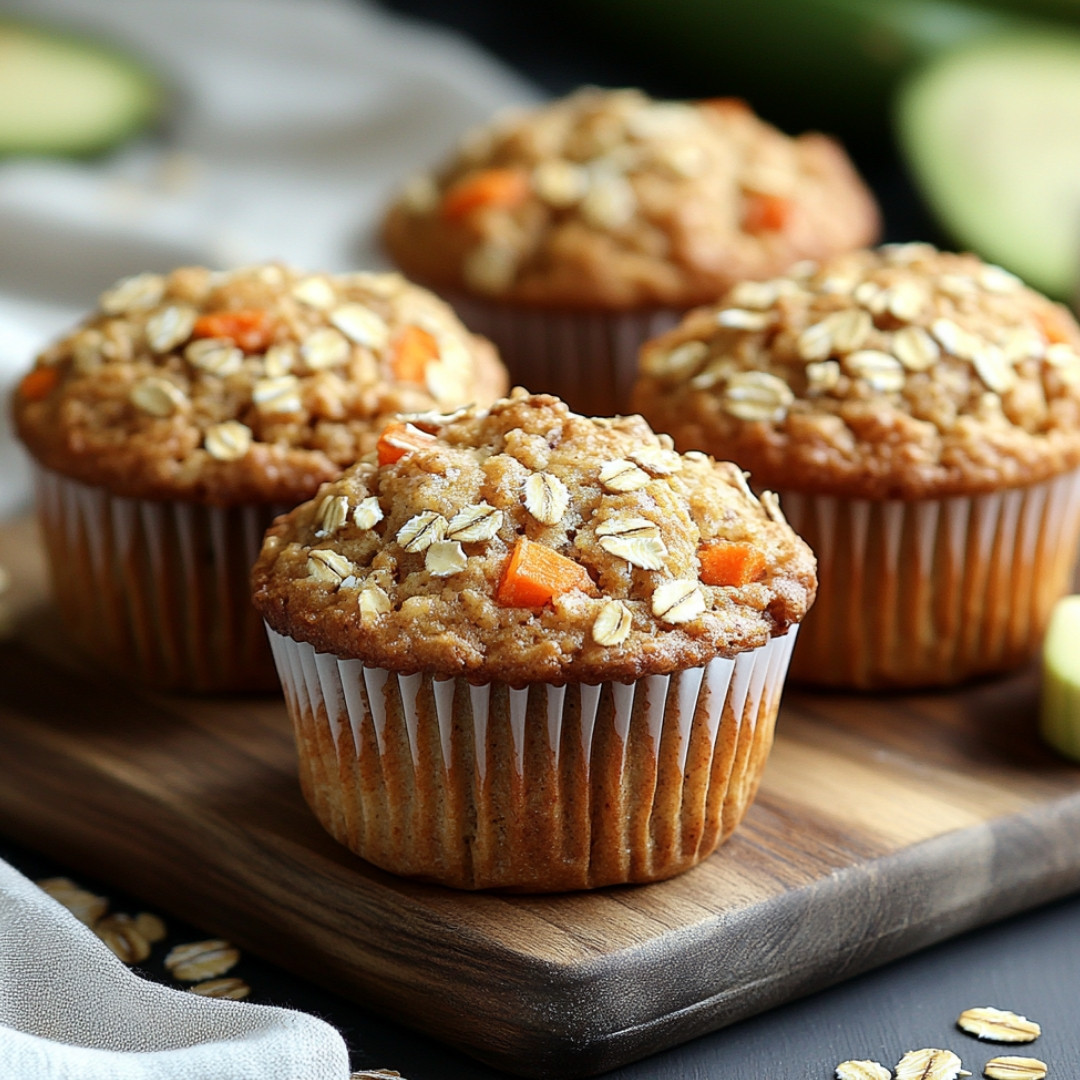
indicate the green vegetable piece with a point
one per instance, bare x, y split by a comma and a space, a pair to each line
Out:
1060, 707
830, 65
992, 135
62, 94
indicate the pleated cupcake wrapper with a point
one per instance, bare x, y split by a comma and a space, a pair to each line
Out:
588, 359
933, 591
158, 590
541, 788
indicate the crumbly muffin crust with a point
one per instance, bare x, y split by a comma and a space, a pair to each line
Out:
248, 386
400, 565
900, 373
609, 199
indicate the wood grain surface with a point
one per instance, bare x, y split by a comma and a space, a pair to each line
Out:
884, 824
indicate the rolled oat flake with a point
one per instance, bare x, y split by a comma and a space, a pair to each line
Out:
1014, 1068
929, 1064
197, 961
998, 1025
862, 1070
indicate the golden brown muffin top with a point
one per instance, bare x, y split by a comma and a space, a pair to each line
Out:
900, 373
252, 385
528, 544
609, 199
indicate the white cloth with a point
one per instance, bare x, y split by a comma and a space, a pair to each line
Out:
70, 1010
291, 121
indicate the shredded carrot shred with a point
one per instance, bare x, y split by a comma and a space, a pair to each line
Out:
730, 562
765, 213
505, 188
412, 351
250, 329
38, 384
399, 439
536, 574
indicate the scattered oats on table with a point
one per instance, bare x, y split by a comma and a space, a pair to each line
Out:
151, 926
929, 1064
122, 936
199, 960
84, 905
232, 988
1014, 1068
862, 1070
998, 1025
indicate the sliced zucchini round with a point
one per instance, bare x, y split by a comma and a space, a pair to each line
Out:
1060, 706
68, 95
992, 135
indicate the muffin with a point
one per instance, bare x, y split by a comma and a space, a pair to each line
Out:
187, 411
571, 233
528, 650
919, 412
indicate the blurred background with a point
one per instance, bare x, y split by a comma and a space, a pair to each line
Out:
837, 78
964, 146
144, 134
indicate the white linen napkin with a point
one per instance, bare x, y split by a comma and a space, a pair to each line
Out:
70, 1010
291, 122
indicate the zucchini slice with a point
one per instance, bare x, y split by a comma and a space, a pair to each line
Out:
1060, 706
992, 136
62, 94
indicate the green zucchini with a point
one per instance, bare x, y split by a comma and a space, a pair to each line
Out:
1060, 703
1068, 10
62, 94
992, 135
829, 64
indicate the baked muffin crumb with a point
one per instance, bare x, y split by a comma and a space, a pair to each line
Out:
415, 574
611, 200
250, 385
900, 373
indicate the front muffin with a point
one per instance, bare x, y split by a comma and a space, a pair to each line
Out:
570, 232
188, 410
920, 413
526, 649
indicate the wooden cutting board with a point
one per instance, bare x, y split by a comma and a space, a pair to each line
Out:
884, 824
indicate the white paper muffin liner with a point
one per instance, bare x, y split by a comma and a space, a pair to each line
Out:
933, 591
538, 789
158, 590
589, 359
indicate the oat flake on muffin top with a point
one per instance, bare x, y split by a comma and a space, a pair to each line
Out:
527, 544
252, 385
899, 373
608, 199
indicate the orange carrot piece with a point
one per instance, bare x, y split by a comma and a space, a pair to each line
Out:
412, 351
504, 188
724, 104
730, 562
399, 439
536, 574
38, 384
251, 329
765, 213
1055, 323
